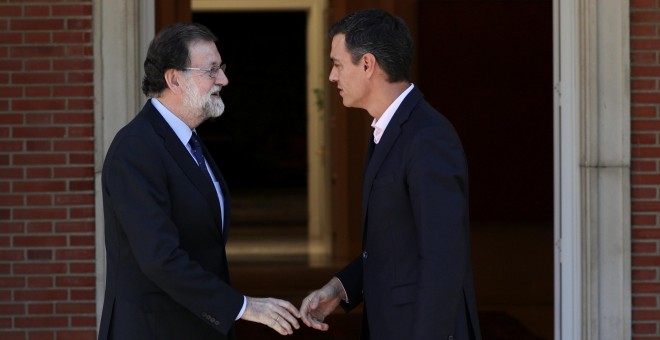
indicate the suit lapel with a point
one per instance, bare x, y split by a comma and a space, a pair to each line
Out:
385, 144
187, 164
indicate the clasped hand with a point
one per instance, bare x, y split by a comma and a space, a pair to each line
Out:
277, 314
320, 303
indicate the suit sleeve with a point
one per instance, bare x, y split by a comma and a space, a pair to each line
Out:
437, 181
351, 278
137, 184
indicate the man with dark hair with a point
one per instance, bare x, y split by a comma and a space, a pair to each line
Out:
414, 274
167, 210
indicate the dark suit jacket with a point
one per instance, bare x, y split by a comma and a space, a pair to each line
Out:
167, 275
415, 273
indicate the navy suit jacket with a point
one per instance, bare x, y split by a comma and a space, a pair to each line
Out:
167, 275
415, 273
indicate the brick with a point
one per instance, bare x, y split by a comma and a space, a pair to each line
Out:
12, 255
643, 30
80, 77
40, 24
11, 173
83, 294
69, 37
75, 281
37, 11
74, 145
39, 268
10, 38
645, 193
80, 131
34, 118
12, 282
645, 125
645, 206
39, 214
39, 105
41, 282
75, 254
77, 241
40, 241
84, 321
81, 185
11, 227
12, 309
12, 335
72, 10
81, 158
41, 322
74, 308
9, 146
11, 118
9, 11
644, 248
38, 159
78, 172
39, 200
79, 24
643, 17
73, 64
40, 254
42, 227
73, 91
77, 334
44, 51
74, 118
40, 65
646, 179
47, 78
40, 295
41, 308
82, 213
38, 91
74, 227
37, 38
39, 145
12, 200
39, 186
644, 84
82, 268
34, 173
642, 4
646, 220
77, 199
644, 328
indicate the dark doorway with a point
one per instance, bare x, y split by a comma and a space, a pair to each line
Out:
487, 65
260, 142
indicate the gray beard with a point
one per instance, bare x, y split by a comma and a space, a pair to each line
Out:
204, 106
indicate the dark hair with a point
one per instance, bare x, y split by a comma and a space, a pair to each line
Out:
170, 50
382, 34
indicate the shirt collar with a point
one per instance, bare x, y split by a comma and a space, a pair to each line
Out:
180, 128
380, 124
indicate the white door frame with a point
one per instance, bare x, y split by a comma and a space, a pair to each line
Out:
592, 169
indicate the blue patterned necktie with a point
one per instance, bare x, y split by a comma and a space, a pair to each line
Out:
196, 147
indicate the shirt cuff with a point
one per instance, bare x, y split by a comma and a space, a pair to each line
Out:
240, 314
343, 289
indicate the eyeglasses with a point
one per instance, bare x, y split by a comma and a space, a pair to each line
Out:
212, 71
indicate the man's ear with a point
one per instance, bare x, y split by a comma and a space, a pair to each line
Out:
172, 80
368, 63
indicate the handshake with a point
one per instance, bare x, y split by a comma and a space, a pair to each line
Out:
282, 316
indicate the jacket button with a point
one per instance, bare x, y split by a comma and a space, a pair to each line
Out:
365, 254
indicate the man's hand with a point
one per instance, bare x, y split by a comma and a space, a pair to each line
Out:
320, 303
277, 314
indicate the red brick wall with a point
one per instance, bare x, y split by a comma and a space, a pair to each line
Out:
47, 269
645, 86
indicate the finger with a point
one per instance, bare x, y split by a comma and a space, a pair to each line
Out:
281, 326
317, 324
291, 320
